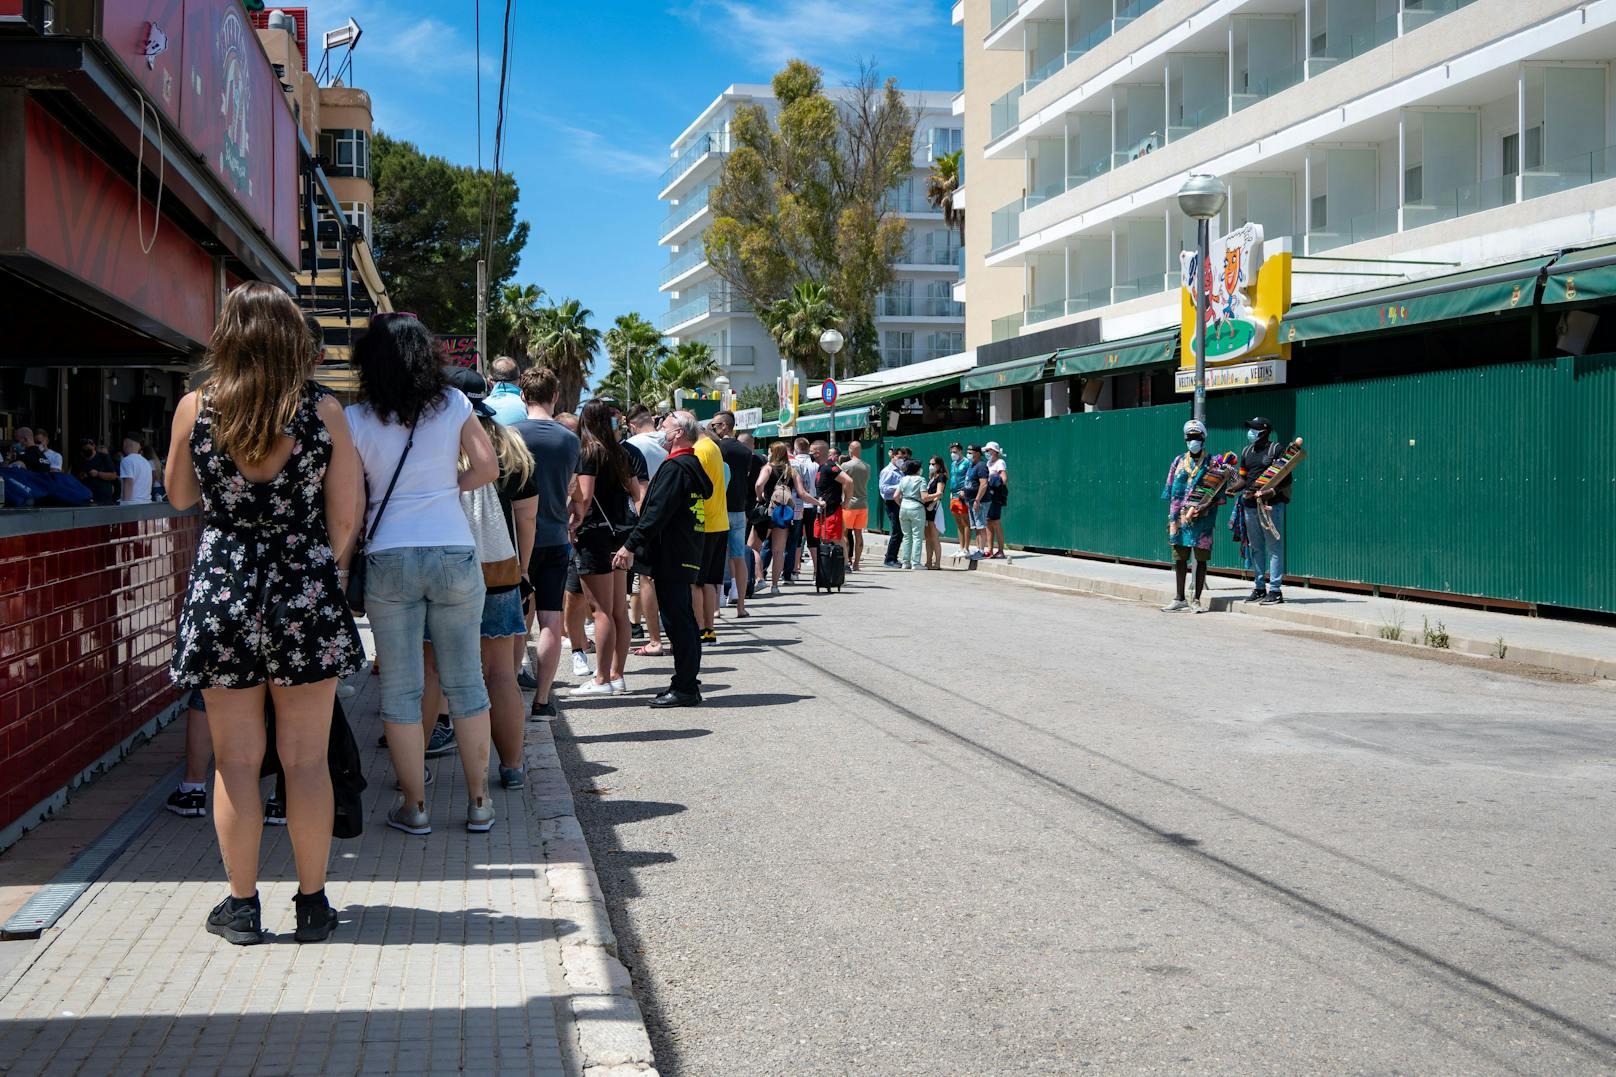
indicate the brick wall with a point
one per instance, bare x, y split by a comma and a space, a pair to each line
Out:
87, 622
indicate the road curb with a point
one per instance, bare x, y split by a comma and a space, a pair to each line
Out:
1564, 661
611, 1039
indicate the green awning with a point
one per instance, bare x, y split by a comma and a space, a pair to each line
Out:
765, 430
878, 393
1019, 372
1582, 276
846, 419
1435, 299
1114, 356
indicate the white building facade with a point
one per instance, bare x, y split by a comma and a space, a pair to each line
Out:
917, 318
1390, 139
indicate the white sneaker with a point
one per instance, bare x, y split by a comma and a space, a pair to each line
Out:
580, 664
593, 688
589, 628
1196, 607
620, 686
1175, 606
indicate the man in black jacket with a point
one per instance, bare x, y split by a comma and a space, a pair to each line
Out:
1267, 551
667, 541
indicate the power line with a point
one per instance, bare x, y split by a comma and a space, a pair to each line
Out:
499, 138
477, 25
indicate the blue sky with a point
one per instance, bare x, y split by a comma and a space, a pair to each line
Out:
599, 89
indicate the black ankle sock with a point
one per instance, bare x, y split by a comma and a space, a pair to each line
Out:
237, 904
316, 898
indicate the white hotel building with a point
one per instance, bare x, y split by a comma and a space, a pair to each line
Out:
1420, 136
917, 318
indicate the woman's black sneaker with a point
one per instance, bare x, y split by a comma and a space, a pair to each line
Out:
237, 921
316, 919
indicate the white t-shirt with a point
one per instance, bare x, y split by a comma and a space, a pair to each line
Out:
54, 459
137, 467
651, 447
425, 506
998, 468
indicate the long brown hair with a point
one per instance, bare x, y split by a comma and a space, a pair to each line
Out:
257, 363
598, 444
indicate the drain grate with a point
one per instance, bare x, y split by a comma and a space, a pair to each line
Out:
57, 896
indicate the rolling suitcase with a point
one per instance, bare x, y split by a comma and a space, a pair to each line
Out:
830, 567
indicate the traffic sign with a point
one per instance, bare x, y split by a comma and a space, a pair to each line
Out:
828, 391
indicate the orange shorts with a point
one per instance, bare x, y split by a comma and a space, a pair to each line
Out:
829, 528
856, 519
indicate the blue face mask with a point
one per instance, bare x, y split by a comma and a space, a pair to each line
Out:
1253, 435
1194, 446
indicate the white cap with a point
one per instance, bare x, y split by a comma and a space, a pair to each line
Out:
1195, 426
993, 446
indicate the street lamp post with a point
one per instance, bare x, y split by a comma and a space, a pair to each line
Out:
721, 383
830, 342
1202, 197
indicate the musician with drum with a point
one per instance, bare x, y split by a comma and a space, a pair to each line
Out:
1196, 481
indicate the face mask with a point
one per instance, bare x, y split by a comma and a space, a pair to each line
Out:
1195, 446
614, 426
955, 456
1253, 435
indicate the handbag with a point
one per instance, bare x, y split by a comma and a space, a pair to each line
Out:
491, 536
342, 760
356, 564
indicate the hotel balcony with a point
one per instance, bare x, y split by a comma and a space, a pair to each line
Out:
685, 218
704, 148
683, 267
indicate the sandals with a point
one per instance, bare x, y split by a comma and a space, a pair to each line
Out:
647, 652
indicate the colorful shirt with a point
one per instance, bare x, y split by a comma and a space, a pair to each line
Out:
1182, 476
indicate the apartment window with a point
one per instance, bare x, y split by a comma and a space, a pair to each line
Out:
897, 347
347, 151
358, 214
944, 140
940, 344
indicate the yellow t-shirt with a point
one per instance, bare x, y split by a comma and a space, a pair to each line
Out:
714, 508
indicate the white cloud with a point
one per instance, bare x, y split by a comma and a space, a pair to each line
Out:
592, 149
424, 45
833, 33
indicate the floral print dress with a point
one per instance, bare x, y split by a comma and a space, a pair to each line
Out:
264, 601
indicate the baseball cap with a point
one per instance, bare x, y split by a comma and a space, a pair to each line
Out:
1257, 422
1195, 426
473, 384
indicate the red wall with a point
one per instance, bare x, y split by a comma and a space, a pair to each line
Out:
81, 216
87, 622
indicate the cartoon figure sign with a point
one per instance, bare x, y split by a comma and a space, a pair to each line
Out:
1247, 297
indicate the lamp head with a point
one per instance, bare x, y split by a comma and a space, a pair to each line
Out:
831, 341
1202, 197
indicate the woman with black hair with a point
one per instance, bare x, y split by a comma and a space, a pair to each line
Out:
421, 562
606, 485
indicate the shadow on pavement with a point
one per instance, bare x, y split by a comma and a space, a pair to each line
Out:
402, 925
638, 735
757, 699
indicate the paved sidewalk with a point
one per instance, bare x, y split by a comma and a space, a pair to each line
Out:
445, 960
1585, 649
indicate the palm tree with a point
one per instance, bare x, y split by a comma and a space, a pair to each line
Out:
941, 186
690, 367
517, 314
566, 343
797, 322
634, 347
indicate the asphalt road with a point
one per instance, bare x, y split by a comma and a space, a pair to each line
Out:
944, 823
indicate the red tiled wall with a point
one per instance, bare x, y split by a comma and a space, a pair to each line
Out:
87, 622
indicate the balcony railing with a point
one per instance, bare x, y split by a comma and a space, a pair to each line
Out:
999, 12
917, 306
694, 204
701, 146
1364, 226
735, 355
907, 201
1007, 224
1008, 326
1198, 119
932, 256
1005, 113
683, 264
711, 303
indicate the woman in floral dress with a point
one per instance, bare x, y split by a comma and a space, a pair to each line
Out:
268, 454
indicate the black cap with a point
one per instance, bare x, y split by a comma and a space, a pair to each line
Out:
467, 380
1257, 422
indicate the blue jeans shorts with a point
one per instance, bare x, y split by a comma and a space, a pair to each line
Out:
410, 590
979, 514
502, 616
737, 535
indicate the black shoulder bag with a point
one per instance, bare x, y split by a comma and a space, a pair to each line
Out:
356, 564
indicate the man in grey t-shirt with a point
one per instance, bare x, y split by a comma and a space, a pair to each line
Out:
555, 458
856, 512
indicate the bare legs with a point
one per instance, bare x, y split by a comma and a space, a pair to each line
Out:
547, 653
652, 614
302, 735
505, 700
608, 592
198, 747
777, 542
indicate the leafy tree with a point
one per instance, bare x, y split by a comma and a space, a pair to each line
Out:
943, 184
798, 321
566, 343
807, 200
691, 367
513, 321
758, 396
634, 347
428, 232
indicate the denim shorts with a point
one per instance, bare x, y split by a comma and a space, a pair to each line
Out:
737, 534
979, 514
502, 616
407, 591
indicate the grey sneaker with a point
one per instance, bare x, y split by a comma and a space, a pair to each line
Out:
479, 816
1175, 606
441, 742
396, 784
1196, 607
410, 818
512, 777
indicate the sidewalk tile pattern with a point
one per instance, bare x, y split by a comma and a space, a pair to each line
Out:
441, 963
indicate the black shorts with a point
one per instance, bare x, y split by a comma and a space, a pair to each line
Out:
594, 555
714, 552
574, 584
547, 572
995, 510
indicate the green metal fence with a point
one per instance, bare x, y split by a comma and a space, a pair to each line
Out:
1489, 481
